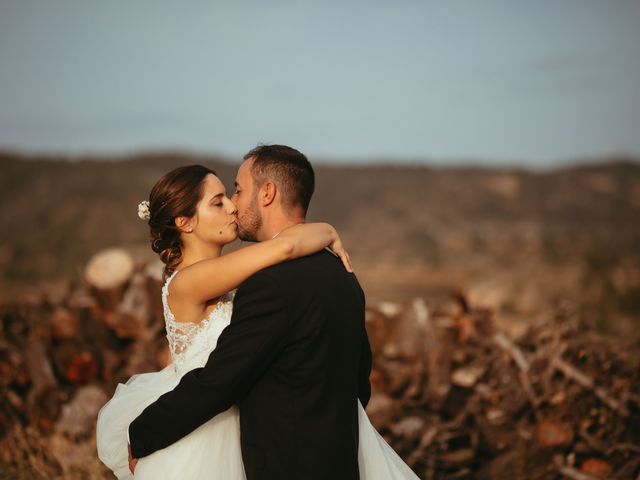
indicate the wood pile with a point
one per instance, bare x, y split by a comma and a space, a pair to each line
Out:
454, 395
61, 357
459, 398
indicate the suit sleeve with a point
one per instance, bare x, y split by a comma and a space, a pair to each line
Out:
364, 370
245, 349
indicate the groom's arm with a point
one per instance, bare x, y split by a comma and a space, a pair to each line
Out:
245, 350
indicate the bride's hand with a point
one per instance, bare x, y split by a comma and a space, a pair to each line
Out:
132, 461
338, 248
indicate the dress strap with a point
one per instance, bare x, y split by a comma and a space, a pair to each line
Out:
165, 287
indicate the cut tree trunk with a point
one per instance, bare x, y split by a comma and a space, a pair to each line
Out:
108, 273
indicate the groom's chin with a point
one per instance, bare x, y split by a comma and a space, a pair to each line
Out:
246, 237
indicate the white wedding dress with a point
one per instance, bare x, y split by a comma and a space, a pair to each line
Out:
212, 451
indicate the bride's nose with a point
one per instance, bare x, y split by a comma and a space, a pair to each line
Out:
231, 207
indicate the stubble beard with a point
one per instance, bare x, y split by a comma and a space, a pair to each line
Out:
250, 223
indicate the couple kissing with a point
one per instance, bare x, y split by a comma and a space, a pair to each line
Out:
270, 357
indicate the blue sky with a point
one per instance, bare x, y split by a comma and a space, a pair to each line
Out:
475, 81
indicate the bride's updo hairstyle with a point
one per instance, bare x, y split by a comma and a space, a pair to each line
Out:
176, 194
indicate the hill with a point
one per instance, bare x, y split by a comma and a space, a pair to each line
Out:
522, 242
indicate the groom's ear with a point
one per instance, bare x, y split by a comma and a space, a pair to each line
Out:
267, 194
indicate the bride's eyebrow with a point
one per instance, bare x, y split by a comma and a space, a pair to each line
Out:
221, 194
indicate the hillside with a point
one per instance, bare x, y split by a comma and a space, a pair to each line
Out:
521, 242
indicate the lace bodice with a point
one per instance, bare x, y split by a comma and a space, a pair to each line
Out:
191, 343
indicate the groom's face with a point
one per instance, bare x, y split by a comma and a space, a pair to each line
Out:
246, 201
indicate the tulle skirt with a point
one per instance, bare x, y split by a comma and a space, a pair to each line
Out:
212, 451
376, 459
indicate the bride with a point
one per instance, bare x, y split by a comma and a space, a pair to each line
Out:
191, 219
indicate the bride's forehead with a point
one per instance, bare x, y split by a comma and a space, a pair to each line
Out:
212, 184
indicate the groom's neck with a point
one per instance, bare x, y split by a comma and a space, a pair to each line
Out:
273, 227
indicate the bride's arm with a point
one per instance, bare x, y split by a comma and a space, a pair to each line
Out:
213, 277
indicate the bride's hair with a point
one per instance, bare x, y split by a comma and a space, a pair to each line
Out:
176, 194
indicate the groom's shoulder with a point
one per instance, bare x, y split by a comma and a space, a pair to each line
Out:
300, 268
321, 268
309, 264
310, 275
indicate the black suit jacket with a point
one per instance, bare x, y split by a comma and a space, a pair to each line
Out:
295, 359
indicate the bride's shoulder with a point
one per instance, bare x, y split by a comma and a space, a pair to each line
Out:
173, 283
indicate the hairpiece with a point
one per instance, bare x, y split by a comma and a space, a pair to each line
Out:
143, 210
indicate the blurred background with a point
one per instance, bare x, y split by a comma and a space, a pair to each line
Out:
480, 159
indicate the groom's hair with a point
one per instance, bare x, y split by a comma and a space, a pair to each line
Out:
289, 169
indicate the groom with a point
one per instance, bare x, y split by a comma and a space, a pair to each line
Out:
295, 357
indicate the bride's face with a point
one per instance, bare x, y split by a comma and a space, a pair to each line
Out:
215, 220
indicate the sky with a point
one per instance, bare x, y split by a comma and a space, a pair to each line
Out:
502, 82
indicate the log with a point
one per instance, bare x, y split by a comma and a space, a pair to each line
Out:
131, 317
12, 369
516, 354
107, 273
39, 368
409, 427
439, 340
47, 408
25, 454
378, 328
523, 364
568, 471
468, 375
153, 272
81, 299
16, 401
64, 324
135, 305
141, 356
111, 364
95, 332
587, 382
596, 467
78, 417
551, 434
381, 410
74, 457
75, 362
125, 325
